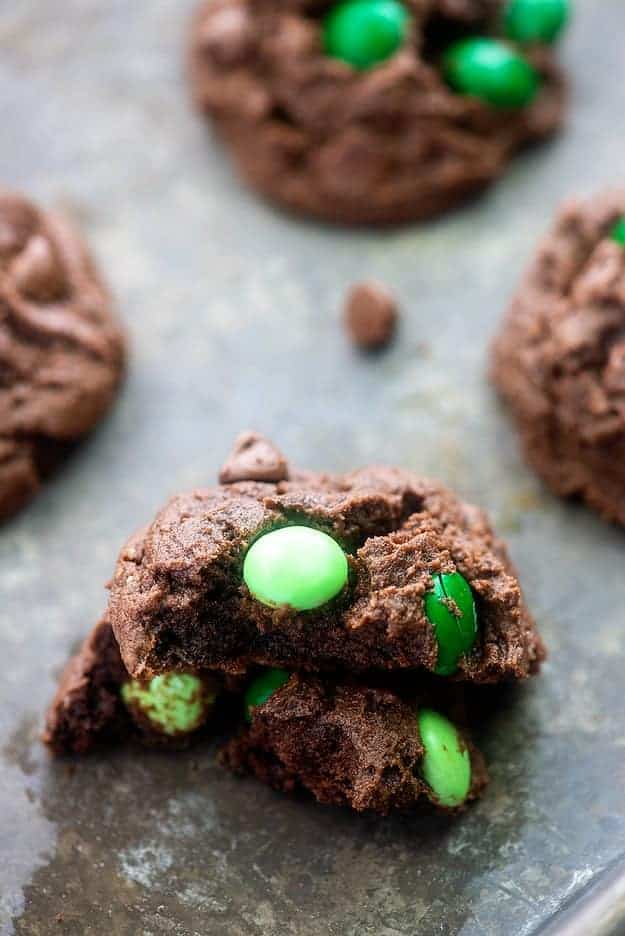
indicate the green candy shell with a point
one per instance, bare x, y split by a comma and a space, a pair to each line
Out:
492, 71
446, 764
295, 566
536, 21
618, 232
364, 33
261, 688
174, 703
455, 634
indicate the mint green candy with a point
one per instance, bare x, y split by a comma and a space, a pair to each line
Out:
364, 33
542, 21
261, 688
618, 232
174, 703
295, 566
455, 628
492, 71
446, 765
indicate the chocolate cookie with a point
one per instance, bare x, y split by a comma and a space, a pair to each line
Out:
348, 744
96, 702
559, 360
373, 570
374, 111
354, 745
61, 351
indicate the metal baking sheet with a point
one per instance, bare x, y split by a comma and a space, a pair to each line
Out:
234, 315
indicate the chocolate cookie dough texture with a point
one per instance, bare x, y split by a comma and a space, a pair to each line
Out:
559, 360
61, 351
371, 748
97, 702
376, 111
338, 616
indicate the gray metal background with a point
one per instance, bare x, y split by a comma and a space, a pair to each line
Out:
233, 313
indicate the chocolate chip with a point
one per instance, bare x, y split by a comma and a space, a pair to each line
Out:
370, 315
37, 272
254, 458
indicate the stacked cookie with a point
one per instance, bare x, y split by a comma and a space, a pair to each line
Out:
333, 621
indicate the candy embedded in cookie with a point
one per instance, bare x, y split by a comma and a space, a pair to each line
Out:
492, 71
451, 609
173, 703
536, 21
296, 567
96, 703
365, 32
377, 569
262, 688
446, 764
368, 111
373, 748
618, 232
352, 744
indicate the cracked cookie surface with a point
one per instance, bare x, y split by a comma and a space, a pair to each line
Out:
391, 144
559, 360
61, 350
178, 599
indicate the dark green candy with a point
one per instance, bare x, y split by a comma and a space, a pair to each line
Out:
618, 232
542, 21
261, 688
492, 71
455, 633
365, 32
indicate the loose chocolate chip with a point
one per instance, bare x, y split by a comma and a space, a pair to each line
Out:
370, 315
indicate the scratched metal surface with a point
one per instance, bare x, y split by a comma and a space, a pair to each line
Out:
233, 314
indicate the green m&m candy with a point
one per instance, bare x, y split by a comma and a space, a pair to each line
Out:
535, 20
174, 703
492, 71
365, 32
295, 566
455, 627
262, 687
446, 765
618, 232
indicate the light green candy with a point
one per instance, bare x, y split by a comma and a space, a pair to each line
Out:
295, 566
174, 703
446, 765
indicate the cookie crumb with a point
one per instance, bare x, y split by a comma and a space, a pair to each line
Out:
370, 315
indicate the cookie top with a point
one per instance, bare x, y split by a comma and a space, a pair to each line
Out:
179, 600
383, 145
61, 350
559, 359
